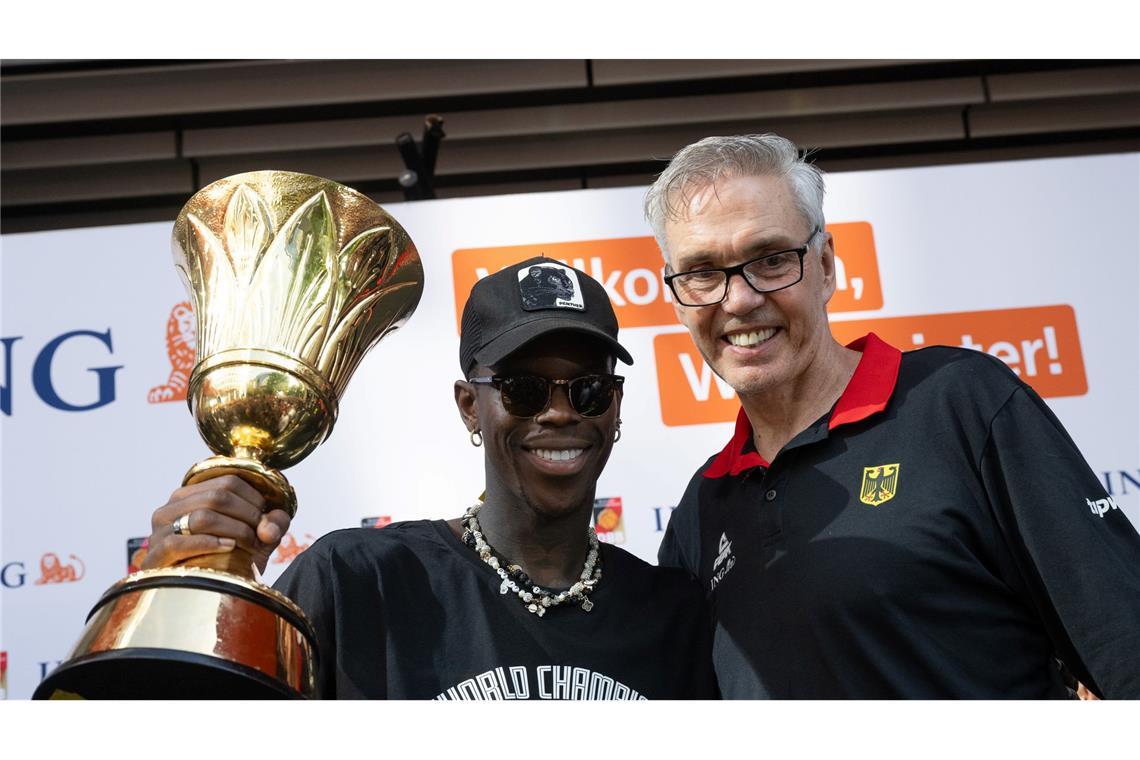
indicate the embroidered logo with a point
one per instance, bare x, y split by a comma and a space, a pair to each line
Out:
725, 561
1100, 506
550, 286
880, 484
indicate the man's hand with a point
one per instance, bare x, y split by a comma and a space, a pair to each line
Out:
224, 512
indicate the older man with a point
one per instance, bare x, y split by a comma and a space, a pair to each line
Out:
881, 524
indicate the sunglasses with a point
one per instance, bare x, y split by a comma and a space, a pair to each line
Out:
529, 395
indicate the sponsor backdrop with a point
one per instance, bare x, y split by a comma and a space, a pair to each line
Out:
1034, 262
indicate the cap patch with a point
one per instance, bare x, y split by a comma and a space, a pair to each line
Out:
550, 286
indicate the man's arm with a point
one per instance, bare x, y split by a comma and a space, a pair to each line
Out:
1077, 551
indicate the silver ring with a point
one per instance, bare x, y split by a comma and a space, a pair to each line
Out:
181, 526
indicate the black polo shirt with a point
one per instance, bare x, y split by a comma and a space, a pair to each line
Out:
936, 535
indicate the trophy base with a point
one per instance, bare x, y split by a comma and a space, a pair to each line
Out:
141, 673
189, 633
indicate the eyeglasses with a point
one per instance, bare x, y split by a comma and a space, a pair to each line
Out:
529, 395
764, 274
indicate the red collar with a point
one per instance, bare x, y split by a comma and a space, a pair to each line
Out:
867, 393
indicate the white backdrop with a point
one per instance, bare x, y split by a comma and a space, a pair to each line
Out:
1035, 261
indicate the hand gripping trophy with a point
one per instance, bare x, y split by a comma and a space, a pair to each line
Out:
293, 279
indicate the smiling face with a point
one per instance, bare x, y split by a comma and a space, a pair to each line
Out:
755, 341
550, 462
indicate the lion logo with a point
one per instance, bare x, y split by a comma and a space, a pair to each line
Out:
52, 569
290, 548
181, 348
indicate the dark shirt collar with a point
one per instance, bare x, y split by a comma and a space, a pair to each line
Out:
867, 393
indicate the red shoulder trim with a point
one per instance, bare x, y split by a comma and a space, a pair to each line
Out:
870, 388
732, 459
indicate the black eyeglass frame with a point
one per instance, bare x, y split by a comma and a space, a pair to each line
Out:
497, 382
801, 251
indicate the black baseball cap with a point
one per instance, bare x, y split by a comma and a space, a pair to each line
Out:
512, 307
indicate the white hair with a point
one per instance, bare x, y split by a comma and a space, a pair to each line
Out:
706, 161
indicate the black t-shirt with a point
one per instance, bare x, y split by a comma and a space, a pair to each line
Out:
409, 612
948, 542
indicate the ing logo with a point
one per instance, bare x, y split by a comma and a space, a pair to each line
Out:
54, 570
608, 522
181, 349
880, 483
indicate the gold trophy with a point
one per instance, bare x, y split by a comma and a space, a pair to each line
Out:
293, 279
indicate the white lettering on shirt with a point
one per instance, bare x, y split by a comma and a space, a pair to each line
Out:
547, 681
1100, 506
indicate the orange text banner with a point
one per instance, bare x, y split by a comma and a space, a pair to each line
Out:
691, 394
631, 270
1039, 343
857, 286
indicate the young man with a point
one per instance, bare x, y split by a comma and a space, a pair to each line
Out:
516, 599
881, 524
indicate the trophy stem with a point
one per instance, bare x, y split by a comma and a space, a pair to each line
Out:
269, 482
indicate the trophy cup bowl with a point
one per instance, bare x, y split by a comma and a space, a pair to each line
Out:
293, 279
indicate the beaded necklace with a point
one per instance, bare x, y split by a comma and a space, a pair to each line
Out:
533, 597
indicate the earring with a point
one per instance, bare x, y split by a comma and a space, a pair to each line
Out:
476, 438
617, 433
